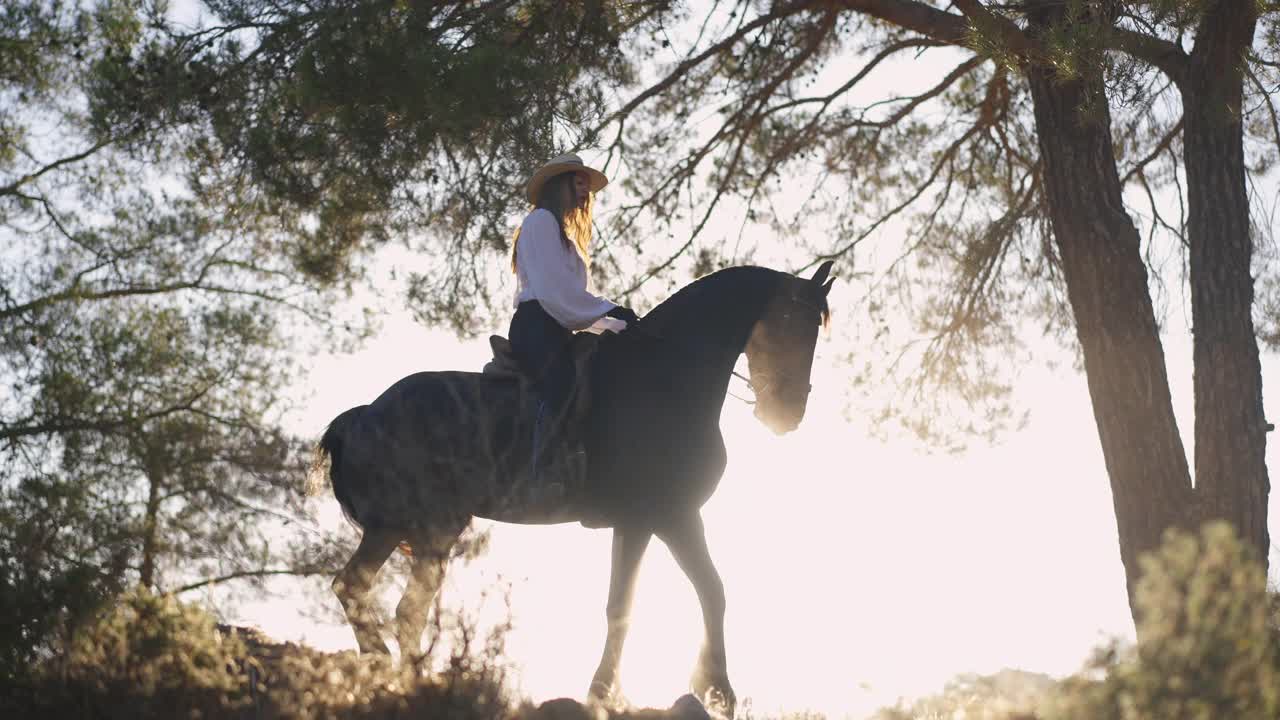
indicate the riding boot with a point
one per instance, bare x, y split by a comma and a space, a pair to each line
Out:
574, 462
550, 452
559, 459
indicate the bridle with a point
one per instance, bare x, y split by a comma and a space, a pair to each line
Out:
750, 387
757, 390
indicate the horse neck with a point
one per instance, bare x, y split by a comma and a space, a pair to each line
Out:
709, 334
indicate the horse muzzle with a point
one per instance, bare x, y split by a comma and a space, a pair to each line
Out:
780, 424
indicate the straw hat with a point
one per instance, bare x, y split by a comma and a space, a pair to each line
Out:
563, 164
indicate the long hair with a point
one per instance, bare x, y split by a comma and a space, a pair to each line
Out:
574, 220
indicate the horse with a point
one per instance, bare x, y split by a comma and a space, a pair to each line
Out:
437, 449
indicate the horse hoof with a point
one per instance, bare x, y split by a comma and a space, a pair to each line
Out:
720, 703
607, 697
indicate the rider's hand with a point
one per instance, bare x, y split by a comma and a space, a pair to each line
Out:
624, 314
613, 325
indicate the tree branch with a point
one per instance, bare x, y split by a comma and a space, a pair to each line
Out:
14, 432
872, 64
749, 122
782, 10
1159, 148
1161, 54
12, 188
915, 101
1001, 27
1266, 98
916, 16
244, 574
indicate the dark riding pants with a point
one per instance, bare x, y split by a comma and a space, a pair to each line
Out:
542, 346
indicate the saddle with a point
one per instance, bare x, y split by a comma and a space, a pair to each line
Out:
504, 365
565, 487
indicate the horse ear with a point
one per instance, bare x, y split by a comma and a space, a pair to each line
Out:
826, 287
823, 270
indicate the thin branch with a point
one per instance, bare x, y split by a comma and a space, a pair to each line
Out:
12, 188
872, 64
750, 122
245, 574
13, 432
781, 11
956, 73
1159, 148
933, 175
1271, 108
1262, 61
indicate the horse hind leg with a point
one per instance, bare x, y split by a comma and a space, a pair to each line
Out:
354, 583
430, 560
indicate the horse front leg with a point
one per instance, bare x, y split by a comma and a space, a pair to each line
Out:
628, 549
688, 544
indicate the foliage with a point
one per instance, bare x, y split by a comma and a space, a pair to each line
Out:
1208, 647
1006, 695
154, 651
899, 139
187, 194
151, 656
348, 125
1208, 644
161, 462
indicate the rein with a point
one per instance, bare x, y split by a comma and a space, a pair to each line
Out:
750, 387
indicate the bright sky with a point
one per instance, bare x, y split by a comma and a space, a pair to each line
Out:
856, 572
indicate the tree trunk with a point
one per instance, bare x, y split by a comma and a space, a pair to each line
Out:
1107, 287
150, 532
1230, 429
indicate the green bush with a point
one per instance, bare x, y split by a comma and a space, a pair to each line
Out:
147, 656
151, 656
1207, 646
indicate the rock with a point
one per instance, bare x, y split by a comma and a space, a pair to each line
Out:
687, 707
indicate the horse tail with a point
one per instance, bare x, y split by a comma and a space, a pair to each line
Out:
328, 461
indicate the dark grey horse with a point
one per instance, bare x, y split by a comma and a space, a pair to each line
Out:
439, 448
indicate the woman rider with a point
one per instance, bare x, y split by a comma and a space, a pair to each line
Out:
553, 300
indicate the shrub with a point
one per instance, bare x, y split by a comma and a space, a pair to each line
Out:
1207, 647
147, 656
150, 656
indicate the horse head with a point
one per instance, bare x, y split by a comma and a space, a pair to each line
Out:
780, 348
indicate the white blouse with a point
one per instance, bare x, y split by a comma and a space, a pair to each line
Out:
556, 277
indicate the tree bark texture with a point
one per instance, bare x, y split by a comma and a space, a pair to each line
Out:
151, 530
1107, 287
1230, 428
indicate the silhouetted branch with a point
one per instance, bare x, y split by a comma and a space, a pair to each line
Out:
246, 574
1162, 54
1155, 153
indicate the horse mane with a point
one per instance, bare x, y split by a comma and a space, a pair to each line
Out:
750, 287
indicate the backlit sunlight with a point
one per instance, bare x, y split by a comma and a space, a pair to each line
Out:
857, 572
